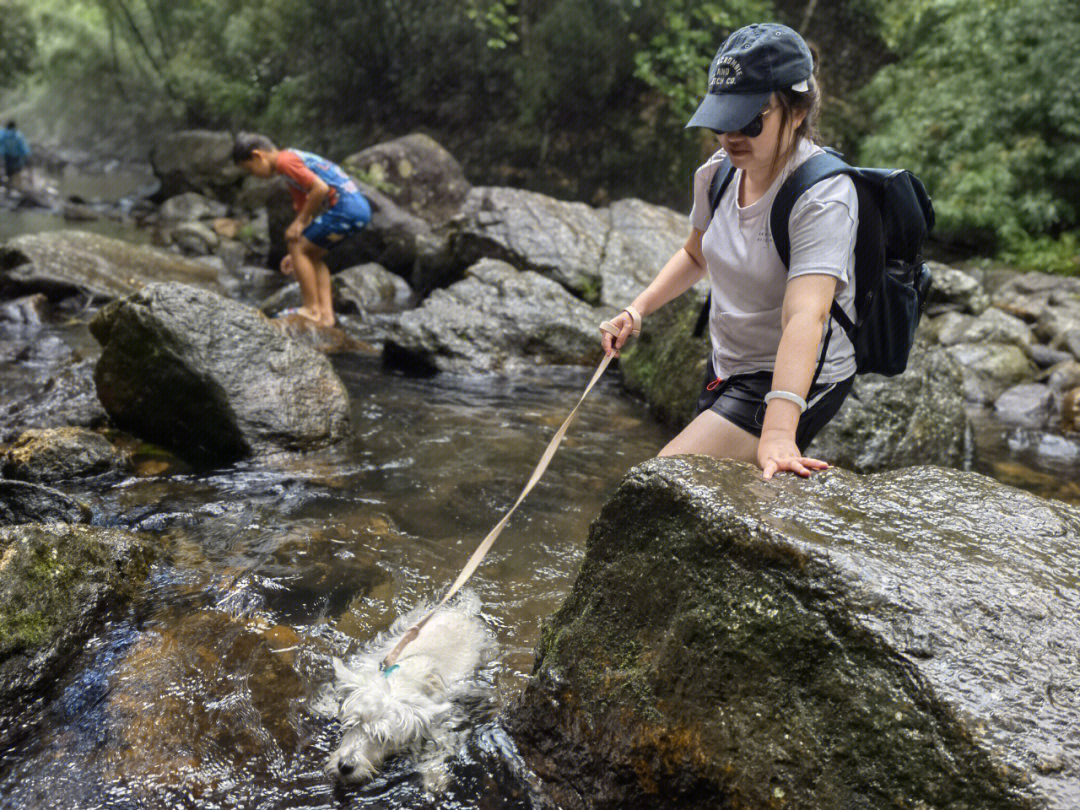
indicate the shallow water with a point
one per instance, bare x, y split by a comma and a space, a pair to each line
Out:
203, 697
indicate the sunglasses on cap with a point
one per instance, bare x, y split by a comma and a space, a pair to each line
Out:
754, 128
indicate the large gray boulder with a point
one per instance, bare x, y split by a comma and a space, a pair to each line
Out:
196, 160
906, 639
212, 379
24, 502
57, 583
416, 173
917, 417
562, 241
494, 319
395, 239
955, 291
641, 237
64, 263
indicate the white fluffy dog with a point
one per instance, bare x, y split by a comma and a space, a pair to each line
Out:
418, 706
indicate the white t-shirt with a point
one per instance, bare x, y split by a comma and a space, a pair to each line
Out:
748, 279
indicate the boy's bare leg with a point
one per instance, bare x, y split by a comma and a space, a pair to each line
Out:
325, 295
304, 270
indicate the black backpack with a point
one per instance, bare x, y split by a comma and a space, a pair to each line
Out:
891, 279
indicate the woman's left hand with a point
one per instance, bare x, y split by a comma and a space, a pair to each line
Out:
779, 453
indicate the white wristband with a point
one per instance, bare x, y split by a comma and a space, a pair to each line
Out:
635, 319
790, 397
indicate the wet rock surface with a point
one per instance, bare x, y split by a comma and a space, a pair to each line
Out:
58, 454
906, 639
24, 502
494, 319
57, 583
213, 379
60, 264
325, 339
67, 398
176, 720
369, 288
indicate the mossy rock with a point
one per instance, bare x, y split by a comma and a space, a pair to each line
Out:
906, 639
57, 583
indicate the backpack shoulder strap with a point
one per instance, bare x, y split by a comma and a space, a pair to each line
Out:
717, 186
811, 172
719, 183
869, 240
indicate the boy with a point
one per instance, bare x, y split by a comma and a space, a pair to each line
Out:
329, 207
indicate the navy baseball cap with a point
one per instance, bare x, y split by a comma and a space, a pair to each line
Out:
750, 65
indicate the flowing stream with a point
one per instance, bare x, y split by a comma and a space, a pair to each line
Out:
208, 692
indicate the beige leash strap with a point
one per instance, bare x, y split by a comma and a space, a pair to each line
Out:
485, 546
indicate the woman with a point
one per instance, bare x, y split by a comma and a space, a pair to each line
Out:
766, 322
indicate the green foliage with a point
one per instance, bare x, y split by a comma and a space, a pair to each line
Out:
1046, 254
579, 98
495, 19
674, 60
18, 40
983, 108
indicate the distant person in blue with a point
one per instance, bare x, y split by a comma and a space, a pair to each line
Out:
329, 207
16, 152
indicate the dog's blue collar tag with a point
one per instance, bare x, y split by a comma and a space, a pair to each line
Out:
389, 669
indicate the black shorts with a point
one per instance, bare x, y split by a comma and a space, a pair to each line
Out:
741, 400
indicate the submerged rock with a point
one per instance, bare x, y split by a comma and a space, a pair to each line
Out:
23, 502
495, 318
57, 454
212, 379
65, 263
57, 583
906, 639
201, 697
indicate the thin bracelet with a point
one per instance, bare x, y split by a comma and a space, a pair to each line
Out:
790, 397
635, 319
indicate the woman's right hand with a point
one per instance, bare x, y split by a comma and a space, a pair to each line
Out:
612, 343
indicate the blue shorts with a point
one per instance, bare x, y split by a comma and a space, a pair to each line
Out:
330, 227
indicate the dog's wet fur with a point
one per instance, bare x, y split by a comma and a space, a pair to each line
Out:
421, 707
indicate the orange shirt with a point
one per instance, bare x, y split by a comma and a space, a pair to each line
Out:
300, 178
